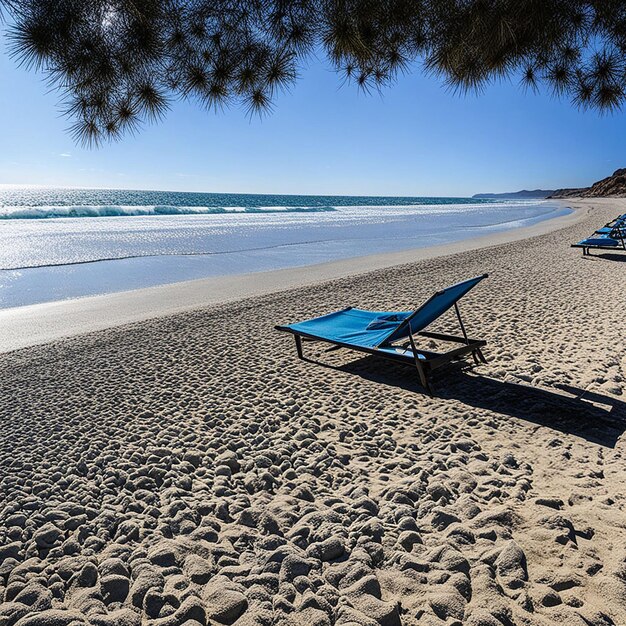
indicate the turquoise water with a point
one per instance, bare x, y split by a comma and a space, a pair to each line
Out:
44, 203
67, 243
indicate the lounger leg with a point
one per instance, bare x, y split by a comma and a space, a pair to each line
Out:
299, 346
420, 368
458, 315
427, 386
423, 378
481, 356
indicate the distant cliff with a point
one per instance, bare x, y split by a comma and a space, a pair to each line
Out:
524, 194
612, 186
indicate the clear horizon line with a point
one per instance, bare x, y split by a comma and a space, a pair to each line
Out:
266, 193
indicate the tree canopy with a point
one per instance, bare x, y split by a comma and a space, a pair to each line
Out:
119, 63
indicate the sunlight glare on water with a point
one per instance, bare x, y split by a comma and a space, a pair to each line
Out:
150, 238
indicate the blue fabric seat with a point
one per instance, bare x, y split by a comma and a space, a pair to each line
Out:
376, 332
351, 326
600, 240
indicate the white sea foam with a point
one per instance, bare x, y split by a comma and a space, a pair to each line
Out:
55, 211
24, 212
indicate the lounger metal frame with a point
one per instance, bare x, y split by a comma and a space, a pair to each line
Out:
425, 366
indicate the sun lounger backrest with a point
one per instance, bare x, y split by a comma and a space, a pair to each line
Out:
433, 308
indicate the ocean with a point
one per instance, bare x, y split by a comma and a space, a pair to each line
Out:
67, 243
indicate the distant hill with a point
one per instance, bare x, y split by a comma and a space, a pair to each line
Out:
570, 193
524, 194
612, 186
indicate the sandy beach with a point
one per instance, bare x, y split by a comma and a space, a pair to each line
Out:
188, 469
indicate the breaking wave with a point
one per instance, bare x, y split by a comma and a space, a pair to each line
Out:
48, 212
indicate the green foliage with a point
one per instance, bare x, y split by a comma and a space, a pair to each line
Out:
119, 63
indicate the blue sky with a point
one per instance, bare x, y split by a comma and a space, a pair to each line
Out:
322, 138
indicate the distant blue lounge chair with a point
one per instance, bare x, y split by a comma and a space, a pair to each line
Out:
392, 334
618, 224
612, 236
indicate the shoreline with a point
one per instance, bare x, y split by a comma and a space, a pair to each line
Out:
25, 326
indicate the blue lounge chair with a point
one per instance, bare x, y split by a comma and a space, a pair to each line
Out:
607, 238
392, 334
618, 224
611, 236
